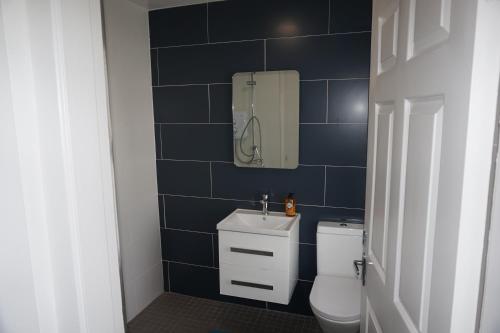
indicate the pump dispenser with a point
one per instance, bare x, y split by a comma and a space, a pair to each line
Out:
290, 205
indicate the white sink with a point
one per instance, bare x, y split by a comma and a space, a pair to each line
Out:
253, 221
258, 255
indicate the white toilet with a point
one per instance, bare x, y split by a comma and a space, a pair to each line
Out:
336, 293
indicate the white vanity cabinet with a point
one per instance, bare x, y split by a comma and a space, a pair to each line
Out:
262, 262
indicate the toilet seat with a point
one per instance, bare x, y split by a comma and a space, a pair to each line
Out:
336, 298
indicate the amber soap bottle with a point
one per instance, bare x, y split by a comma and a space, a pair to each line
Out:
290, 205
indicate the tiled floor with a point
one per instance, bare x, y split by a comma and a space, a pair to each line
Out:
175, 313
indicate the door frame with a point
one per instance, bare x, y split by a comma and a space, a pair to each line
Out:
488, 305
477, 167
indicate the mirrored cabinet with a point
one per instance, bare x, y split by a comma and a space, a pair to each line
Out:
266, 119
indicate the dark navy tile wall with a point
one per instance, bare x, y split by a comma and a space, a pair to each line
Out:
195, 50
266, 19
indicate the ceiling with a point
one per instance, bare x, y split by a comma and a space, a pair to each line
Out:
157, 4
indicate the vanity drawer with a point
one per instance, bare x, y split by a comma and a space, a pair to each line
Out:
252, 250
247, 282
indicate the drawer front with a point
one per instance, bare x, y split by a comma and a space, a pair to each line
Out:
258, 251
262, 285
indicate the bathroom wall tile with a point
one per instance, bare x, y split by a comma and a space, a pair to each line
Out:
211, 63
178, 26
185, 178
321, 57
199, 214
206, 142
189, 247
333, 144
158, 141
181, 104
313, 101
166, 282
350, 16
249, 183
221, 103
345, 187
163, 240
299, 302
307, 262
348, 101
234, 23
311, 215
154, 67
216, 250
194, 280
161, 212
254, 19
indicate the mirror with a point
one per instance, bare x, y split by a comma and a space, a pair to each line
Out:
266, 119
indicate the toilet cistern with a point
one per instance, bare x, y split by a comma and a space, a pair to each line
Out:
265, 204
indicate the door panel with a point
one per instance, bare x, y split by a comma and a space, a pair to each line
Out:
429, 24
373, 325
415, 242
382, 165
388, 23
418, 116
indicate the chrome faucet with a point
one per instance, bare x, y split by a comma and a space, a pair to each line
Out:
265, 204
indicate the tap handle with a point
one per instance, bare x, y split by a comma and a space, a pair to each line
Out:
265, 197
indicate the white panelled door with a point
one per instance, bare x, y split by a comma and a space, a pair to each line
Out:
420, 93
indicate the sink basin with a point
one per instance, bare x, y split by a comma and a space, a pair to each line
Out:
253, 221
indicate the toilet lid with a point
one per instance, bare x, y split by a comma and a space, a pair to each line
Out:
336, 298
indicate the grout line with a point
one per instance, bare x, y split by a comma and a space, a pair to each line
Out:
211, 182
192, 231
255, 201
198, 197
161, 143
329, 12
210, 43
168, 276
311, 244
213, 251
333, 123
303, 280
200, 161
225, 123
208, 34
228, 83
209, 115
324, 189
265, 55
337, 79
198, 123
180, 85
215, 233
230, 162
333, 166
164, 212
189, 264
260, 39
158, 66
327, 102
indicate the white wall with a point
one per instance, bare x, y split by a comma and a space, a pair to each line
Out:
129, 77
